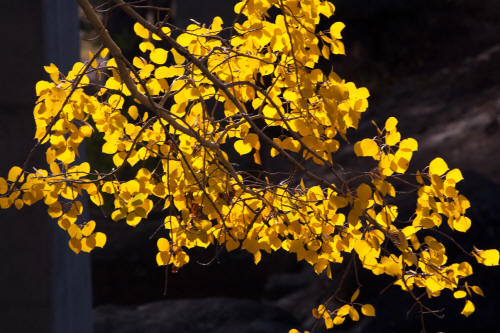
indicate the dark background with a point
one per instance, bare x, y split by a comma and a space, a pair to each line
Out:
433, 64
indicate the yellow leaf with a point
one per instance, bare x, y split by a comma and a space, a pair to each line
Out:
138, 62
14, 172
75, 245
163, 258
88, 244
146, 46
355, 295
459, 294
141, 31
477, 290
242, 148
158, 56
163, 245
104, 53
364, 192
454, 175
88, 228
3, 186
409, 144
366, 147
344, 310
487, 257
326, 8
438, 166
19, 204
42, 86
133, 112
368, 310
468, 308
178, 58
338, 320
392, 138
354, 314
55, 210
86, 131
390, 124
100, 239
462, 224
336, 29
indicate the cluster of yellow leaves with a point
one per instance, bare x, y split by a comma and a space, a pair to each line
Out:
340, 314
270, 69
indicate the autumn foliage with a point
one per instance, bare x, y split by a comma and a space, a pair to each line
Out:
200, 97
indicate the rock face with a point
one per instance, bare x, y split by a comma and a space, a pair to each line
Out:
211, 315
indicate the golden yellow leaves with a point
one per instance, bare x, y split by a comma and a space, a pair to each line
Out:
487, 257
158, 56
249, 142
141, 31
468, 309
170, 254
3, 186
368, 310
84, 238
438, 167
339, 315
335, 30
366, 148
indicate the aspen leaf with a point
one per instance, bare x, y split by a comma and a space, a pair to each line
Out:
88, 228
438, 167
146, 46
141, 31
163, 258
455, 175
355, 295
18, 203
368, 310
3, 186
216, 24
14, 172
459, 294
41, 87
336, 29
163, 245
104, 52
178, 58
158, 56
408, 144
462, 224
468, 309
133, 112
338, 320
487, 257
100, 239
364, 192
242, 148
86, 131
392, 138
55, 210
138, 62
326, 8
477, 290
344, 310
366, 148
390, 124
75, 245
354, 314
